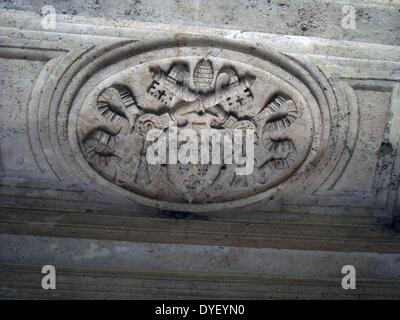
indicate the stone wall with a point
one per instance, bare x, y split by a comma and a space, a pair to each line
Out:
78, 98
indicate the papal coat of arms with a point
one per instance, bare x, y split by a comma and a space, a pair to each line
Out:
200, 94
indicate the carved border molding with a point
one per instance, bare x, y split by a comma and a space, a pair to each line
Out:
372, 74
110, 284
76, 70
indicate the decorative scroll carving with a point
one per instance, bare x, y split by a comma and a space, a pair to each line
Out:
280, 113
116, 103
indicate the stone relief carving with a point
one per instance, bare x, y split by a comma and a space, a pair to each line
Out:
210, 95
106, 99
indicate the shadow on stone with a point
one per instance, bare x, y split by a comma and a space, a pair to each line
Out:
181, 215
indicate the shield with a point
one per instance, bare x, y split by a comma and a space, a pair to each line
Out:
193, 179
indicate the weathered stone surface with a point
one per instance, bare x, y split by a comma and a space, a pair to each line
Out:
113, 118
377, 20
77, 101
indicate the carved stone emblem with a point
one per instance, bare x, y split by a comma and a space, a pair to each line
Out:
198, 125
198, 93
